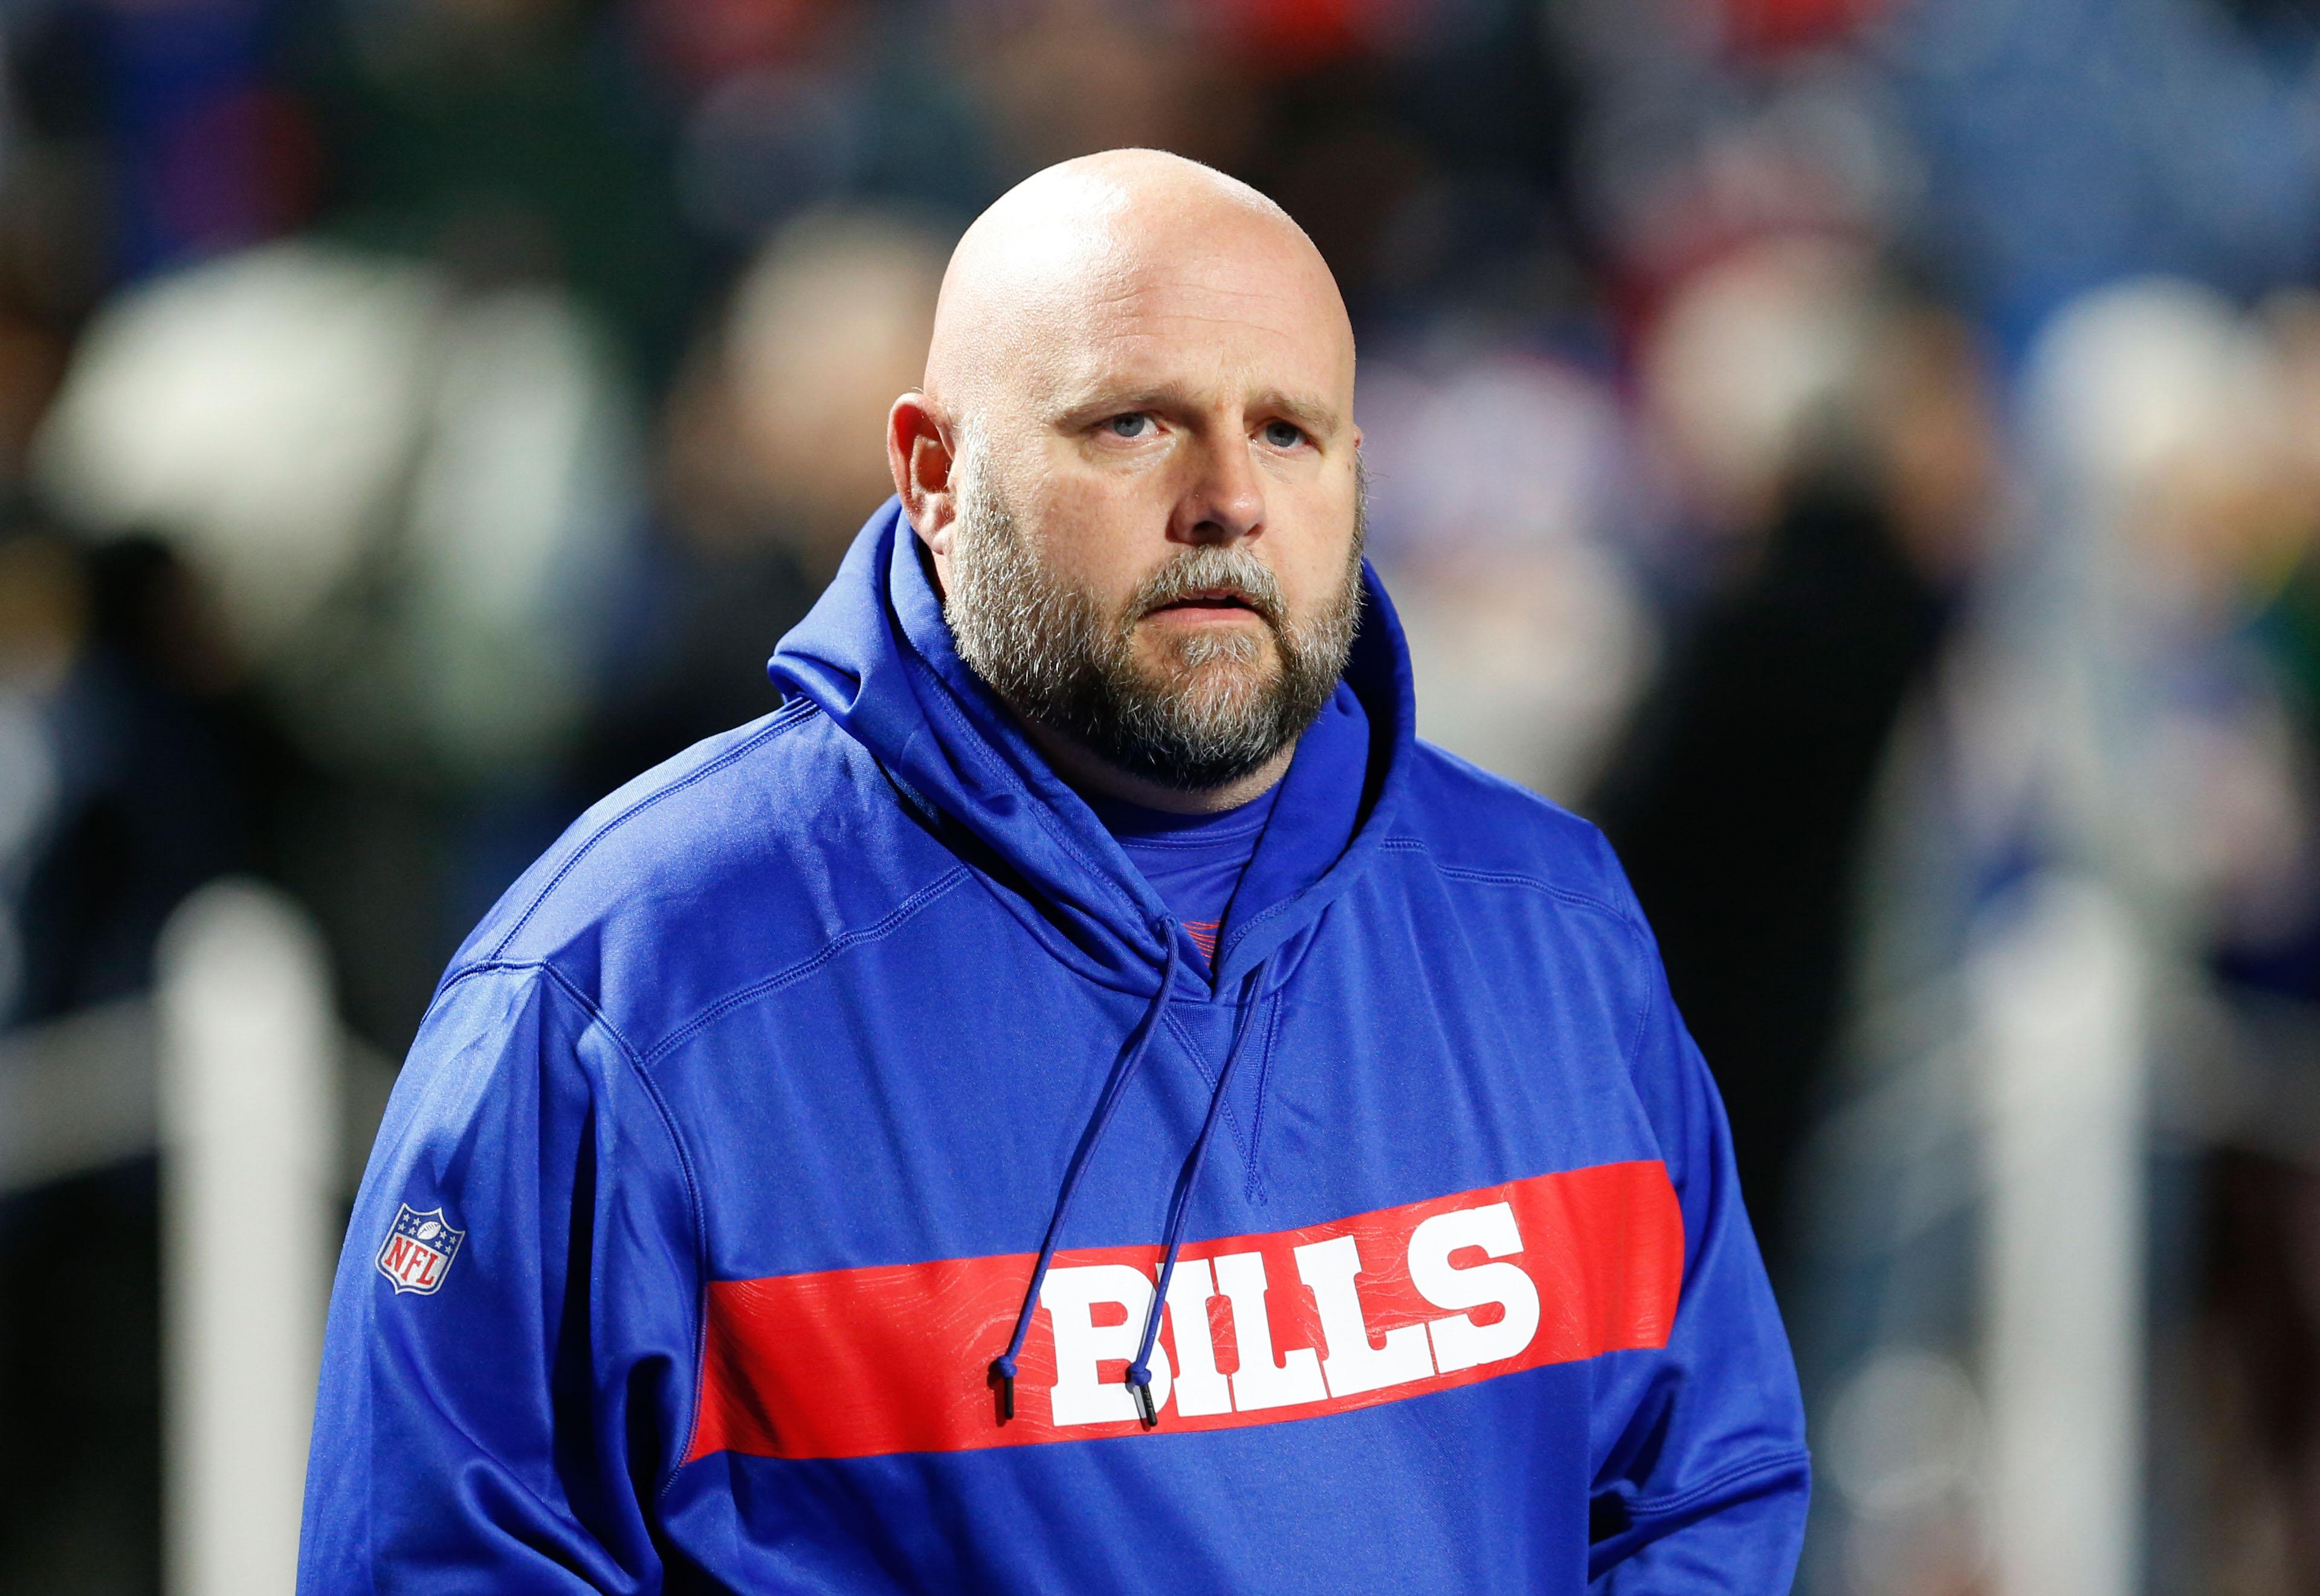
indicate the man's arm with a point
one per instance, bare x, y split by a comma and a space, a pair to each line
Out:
512, 1328
1702, 1474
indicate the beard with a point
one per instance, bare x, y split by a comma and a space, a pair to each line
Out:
1217, 706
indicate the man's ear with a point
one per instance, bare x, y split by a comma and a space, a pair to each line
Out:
918, 453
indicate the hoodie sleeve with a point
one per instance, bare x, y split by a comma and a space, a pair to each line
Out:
504, 1377
1701, 1476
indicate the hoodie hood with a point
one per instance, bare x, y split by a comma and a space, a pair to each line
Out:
875, 655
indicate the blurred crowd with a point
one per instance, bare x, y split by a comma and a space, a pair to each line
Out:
1865, 454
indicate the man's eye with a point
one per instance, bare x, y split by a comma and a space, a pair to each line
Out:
1283, 434
1132, 425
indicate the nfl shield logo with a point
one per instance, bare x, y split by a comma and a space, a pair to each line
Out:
419, 1250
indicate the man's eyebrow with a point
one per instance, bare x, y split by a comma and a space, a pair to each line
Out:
1100, 400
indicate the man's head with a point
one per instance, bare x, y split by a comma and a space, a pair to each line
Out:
1135, 463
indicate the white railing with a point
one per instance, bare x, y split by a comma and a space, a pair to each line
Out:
262, 1110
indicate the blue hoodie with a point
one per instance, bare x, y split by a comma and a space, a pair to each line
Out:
780, 1192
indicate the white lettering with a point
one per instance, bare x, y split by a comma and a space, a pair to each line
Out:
1459, 1343
1353, 1363
1199, 1389
1070, 1296
1260, 1381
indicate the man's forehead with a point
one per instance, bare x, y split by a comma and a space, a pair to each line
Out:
1204, 319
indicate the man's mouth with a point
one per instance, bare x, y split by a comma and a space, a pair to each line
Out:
1209, 601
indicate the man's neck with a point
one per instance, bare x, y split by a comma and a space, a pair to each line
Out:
1090, 774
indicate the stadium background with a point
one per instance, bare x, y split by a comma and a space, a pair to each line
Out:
1864, 453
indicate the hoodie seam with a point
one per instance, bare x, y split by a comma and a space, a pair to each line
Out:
1617, 913
893, 920
497, 966
1653, 991
787, 716
1242, 932
1660, 1507
1277, 910
1510, 879
695, 1211
1206, 841
1200, 1063
1252, 1189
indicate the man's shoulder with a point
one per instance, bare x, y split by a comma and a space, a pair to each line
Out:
1472, 825
759, 845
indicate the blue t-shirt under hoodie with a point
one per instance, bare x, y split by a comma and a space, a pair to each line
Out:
1194, 861
780, 1190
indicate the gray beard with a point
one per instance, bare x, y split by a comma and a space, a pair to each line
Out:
1216, 709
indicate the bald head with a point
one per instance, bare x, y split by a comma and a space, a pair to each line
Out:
1081, 248
1137, 419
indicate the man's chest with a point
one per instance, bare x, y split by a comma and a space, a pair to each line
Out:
1408, 1191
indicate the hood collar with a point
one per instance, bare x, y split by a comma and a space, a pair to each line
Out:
876, 655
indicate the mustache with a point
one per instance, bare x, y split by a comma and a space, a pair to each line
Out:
1208, 570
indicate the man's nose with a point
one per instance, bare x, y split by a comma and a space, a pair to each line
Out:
1225, 501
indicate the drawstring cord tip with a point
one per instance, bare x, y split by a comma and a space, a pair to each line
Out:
1002, 1383
1140, 1383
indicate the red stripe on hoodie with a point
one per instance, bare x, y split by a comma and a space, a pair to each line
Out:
1375, 1308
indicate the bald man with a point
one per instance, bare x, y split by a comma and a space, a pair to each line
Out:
1080, 1098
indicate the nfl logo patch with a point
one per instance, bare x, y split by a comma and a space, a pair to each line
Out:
419, 1250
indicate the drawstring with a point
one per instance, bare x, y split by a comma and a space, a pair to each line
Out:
1139, 1372
1002, 1367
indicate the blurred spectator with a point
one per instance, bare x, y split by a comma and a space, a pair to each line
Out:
1838, 437
1058, 77
414, 505
1504, 509
130, 772
773, 455
155, 772
507, 141
2107, 724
